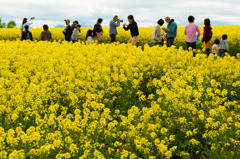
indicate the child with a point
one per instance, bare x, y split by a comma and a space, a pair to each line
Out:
26, 35
215, 47
75, 34
223, 46
89, 36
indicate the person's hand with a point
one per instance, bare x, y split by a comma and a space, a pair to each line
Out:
124, 24
119, 21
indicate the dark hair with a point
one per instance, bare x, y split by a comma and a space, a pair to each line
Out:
45, 27
160, 22
79, 25
191, 19
131, 17
100, 20
224, 36
217, 41
26, 27
89, 33
115, 17
24, 20
207, 22
76, 22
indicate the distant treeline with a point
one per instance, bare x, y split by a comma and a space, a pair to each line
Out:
10, 24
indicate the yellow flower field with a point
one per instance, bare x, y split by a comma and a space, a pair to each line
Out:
63, 100
145, 35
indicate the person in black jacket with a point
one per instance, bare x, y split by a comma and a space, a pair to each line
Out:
133, 29
98, 31
26, 35
67, 31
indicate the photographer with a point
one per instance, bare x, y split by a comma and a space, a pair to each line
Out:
114, 23
133, 29
26, 22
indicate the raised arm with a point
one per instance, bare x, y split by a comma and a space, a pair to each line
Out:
115, 24
29, 22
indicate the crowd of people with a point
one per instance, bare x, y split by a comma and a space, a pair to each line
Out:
192, 32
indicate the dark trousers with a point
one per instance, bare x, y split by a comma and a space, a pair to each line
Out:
208, 52
221, 53
193, 46
170, 42
113, 38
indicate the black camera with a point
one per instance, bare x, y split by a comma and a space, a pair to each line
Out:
120, 20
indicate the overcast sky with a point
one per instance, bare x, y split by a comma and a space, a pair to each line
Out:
146, 12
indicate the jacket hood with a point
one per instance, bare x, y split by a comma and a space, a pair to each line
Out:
172, 20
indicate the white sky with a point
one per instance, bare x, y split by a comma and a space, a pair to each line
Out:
146, 12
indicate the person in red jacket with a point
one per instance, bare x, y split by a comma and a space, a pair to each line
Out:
207, 36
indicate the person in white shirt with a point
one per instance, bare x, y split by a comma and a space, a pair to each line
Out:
89, 36
157, 33
26, 22
76, 34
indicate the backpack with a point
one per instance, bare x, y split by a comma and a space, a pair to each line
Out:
28, 36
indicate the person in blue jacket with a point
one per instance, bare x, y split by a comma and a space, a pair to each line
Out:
171, 31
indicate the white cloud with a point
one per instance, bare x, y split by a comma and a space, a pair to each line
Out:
146, 13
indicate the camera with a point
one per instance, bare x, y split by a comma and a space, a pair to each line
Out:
120, 20
32, 17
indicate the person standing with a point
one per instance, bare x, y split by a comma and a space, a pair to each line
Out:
76, 34
223, 46
190, 32
133, 29
74, 25
207, 36
215, 47
98, 31
171, 31
157, 33
26, 22
89, 36
67, 31
46, 34
114, 23
26, 34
